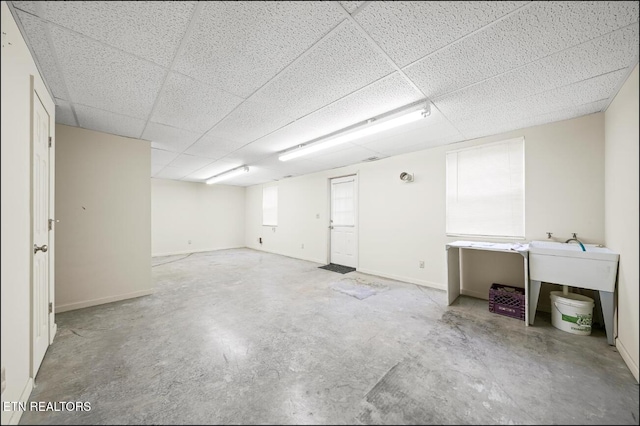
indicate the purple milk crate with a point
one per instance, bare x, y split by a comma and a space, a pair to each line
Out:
507, 300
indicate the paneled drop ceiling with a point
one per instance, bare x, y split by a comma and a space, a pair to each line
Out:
216, 85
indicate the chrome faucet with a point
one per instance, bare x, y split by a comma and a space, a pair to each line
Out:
575, 238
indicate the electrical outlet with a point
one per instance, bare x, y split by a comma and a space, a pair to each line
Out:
189, 242
301, 246
317, 215
421, 264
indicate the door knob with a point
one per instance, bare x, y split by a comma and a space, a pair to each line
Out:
43, 248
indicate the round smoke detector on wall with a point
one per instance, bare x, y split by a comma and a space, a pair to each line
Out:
406, 177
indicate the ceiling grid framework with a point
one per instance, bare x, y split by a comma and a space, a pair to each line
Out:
611, 52
217, 85
222, 145
194, 16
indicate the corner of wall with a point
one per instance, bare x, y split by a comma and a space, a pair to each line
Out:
621, 212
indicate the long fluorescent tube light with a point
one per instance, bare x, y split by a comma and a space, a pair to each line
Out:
357, 134
228, 175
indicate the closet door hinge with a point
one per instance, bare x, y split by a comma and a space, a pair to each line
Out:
50, 307
49, 141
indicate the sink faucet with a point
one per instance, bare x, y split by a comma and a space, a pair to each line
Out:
575, 238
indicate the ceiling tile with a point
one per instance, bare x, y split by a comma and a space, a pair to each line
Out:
108, 122
409, 30
580, 93
245, 155
351, 6
339, 65
250, 121
211, 147
169, 138
267, 76
28, 6
213, 169
148, 29
38, 39
350, 154
538, 31
593, 58
520, 113
384, 95
188, 104
291, 135
242, 45
105, 78
191, 163
482, 128
160, 157
169, 172
64, 114
155, 169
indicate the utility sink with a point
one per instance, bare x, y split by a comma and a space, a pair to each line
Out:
567, 264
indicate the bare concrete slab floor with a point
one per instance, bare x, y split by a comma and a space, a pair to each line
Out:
240, 336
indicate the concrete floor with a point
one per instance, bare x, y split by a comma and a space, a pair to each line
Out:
240, 336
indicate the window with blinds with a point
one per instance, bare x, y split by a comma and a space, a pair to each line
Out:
485, 190
270, 206
343, 204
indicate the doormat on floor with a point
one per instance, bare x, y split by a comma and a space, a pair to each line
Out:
337, 268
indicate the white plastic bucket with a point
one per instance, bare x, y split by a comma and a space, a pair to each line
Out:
571, 312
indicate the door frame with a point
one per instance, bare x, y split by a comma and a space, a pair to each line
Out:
38, 90
356, 174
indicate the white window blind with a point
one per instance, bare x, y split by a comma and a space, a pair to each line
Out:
270, 206
485, 190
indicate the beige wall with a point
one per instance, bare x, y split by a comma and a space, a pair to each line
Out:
401, 224
17, 68
103, 204
621, 211
188, 217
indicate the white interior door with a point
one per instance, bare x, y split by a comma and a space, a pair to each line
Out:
344, 231
40, 224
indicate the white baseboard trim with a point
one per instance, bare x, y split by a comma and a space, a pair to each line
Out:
424, 283
624, 353
102, 301
24, 397
175, 253
308, 259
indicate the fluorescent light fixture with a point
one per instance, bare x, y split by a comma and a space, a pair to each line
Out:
359, 133
228, 175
